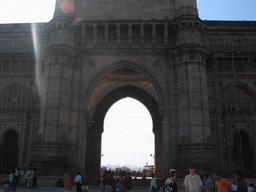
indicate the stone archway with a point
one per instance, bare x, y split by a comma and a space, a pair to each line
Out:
95, 127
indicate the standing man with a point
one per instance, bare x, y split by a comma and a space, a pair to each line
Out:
241, 184
222, 185
170, 185
192, 182
78, 182
108, 182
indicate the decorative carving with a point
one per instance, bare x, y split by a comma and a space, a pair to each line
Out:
215, 42
156, 63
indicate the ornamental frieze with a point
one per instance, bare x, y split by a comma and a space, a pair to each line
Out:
13, 45
215, 42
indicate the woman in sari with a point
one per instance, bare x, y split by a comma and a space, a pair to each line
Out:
67, 181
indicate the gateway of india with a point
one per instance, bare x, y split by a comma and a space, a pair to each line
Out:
196, 78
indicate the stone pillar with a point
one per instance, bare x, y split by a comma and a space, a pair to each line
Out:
56, 116
192, 94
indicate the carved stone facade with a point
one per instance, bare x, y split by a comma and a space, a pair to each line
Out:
196, 78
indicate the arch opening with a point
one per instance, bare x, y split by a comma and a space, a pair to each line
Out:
127, 138
95, 127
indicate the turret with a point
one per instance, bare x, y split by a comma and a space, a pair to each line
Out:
186, 8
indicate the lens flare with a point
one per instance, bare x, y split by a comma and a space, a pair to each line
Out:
77, 20
38, 68
67, 7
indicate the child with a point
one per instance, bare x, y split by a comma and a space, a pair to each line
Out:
85, 187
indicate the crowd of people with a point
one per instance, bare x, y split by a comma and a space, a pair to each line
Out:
207, 183
124, 182
30, 179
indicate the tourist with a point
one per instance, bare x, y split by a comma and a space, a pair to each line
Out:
85, 188
192, 182
30, 184
234, 187
129, 187
221, 185
108, 182
35, 175
170, 185
203, 183
125, 181
27, 177
210, 185
11, 186
153, 184
251, 187
119, 186
78, 182
16, 177
102, 182
241, 184
67, 181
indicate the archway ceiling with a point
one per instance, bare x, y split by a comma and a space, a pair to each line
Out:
118, 78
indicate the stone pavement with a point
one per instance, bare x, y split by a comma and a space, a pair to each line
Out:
91, 189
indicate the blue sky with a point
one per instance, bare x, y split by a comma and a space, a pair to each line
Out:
118, 148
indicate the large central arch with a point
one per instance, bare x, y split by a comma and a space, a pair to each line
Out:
95, 127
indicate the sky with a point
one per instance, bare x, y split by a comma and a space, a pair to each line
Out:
128, 124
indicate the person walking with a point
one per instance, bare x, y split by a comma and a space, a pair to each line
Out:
170, 185
222, 185
67, 182
78, 182
241, 184
192, 182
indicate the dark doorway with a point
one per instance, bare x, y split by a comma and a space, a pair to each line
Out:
9, 151
243, 152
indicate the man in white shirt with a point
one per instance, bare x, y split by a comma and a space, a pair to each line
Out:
78, 181
192, 182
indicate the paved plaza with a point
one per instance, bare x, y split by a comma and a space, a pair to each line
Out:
91, 189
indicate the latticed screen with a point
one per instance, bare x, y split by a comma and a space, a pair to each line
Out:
239, 100
15, 99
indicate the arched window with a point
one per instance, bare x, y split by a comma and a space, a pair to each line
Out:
15, 99
238, 100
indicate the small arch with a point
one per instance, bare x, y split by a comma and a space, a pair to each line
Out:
15, 98
243, 152
9, 150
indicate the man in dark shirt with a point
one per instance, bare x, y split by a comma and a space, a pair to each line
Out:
108, 182
170, 185
241, 184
